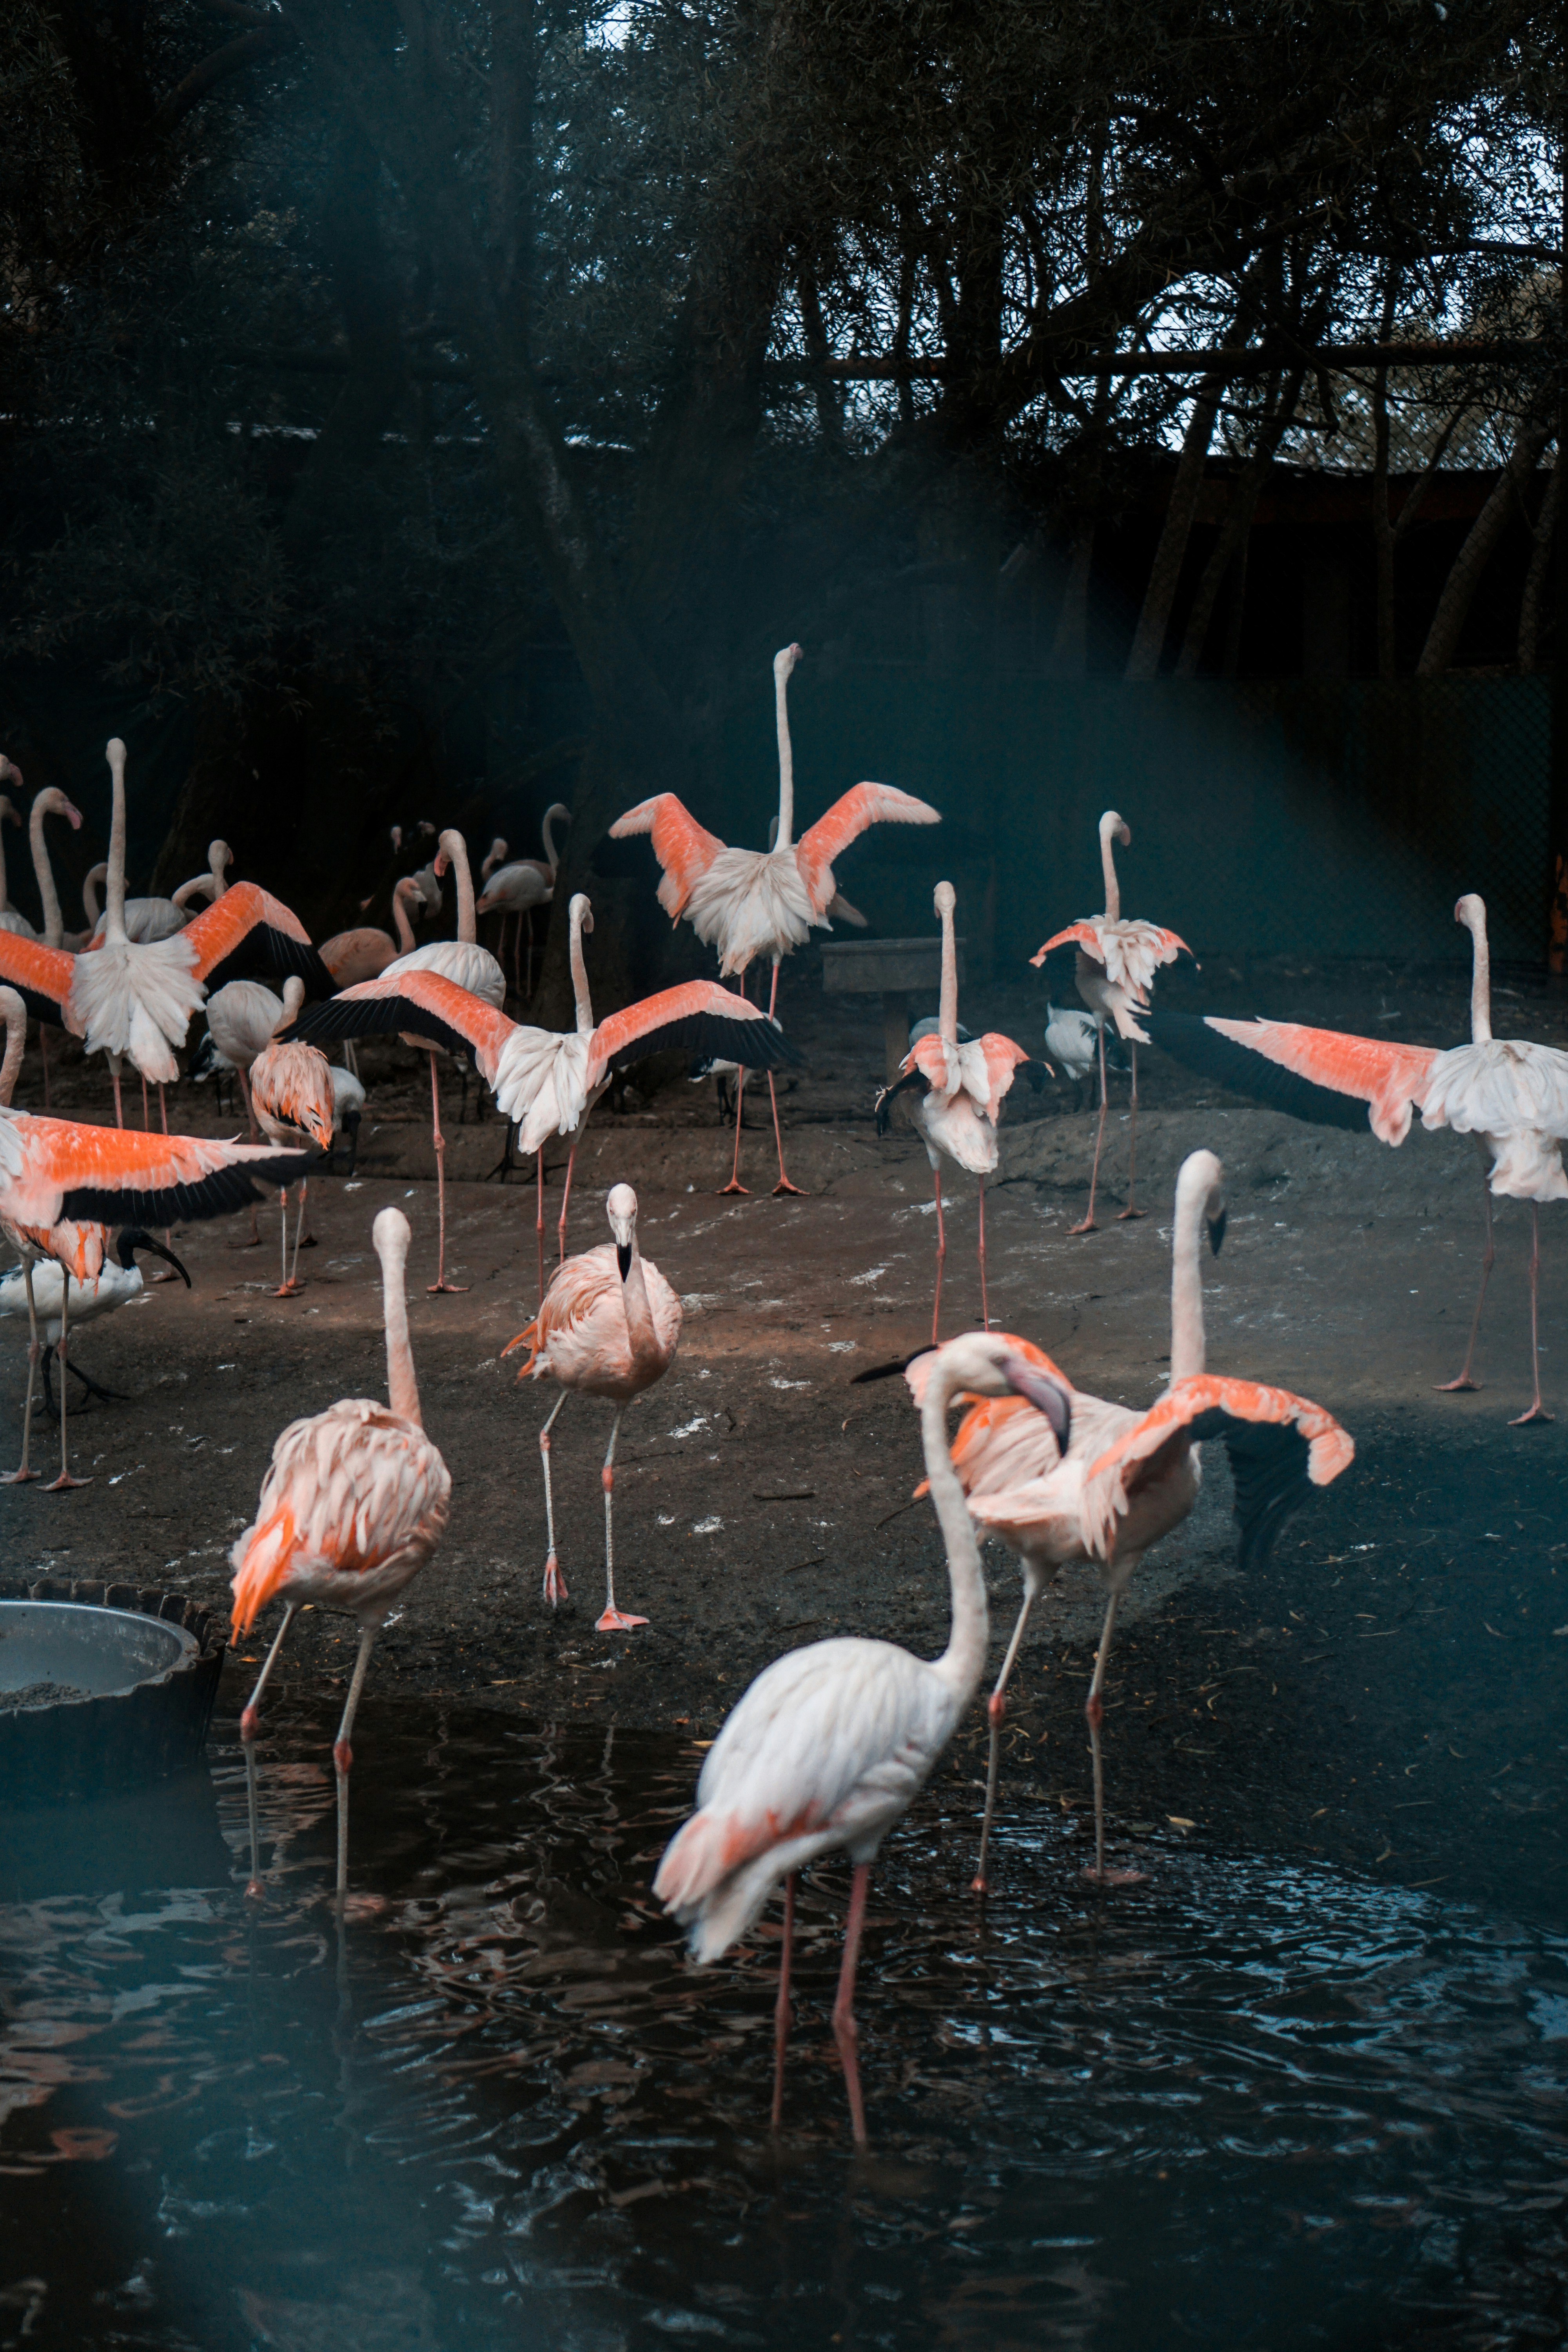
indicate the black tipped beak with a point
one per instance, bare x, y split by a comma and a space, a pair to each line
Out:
887, 1371
157, 1249
624, 1258
1044, 1393
1217, 1232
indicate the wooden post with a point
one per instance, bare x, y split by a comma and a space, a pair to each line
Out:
905, 973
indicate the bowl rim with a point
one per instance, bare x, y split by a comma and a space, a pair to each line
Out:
187, 1649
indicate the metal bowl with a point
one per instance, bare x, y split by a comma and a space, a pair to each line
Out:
101, 1687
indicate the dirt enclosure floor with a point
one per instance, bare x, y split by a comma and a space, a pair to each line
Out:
1388, 1694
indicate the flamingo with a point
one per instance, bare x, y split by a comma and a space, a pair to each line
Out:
471, 968
126, 998
547, 1081
832, 1743
211, 884
292, 1098
1117, 961
748, 902
10, 920
355, 1503
365, 952
61, 1184
1127, 1478
1511, 1095
1073, 1039
609, 1327
145, 920
48, 802
57, 1295
962, 1087
528, 882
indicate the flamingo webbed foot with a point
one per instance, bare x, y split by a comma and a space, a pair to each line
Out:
57, 1485
1122, 1215
254, 1890
456, 1288
288, 1290
725, 1190
17, 1477
796, 1191
554, 1582
1536, 1412
1087, 1226
1462, 1386
615, 1621
1114, 1877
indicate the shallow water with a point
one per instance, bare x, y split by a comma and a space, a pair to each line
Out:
1246, 2103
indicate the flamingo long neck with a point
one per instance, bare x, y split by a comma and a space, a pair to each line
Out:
963, 1662
16, 1022
640, 1328
580, 977
1189, 1343
89, 905
400, 899
53, 921
457, 851
947, 1010
5, 888
787, 759
402, 1388
1108, 825
114, 888
551, 854
1481, 984
219, 859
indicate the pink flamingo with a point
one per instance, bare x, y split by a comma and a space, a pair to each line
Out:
355, 1503
1511, 1095
291, 1095
518, 887
609, 1327
748, 903
1117, 961
48, 802
62, 1185
364, 953
1127, 1478
962, 1087
832, 1743
546, 1080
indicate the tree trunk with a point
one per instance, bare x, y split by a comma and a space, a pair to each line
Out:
1459, 588
1539, 573
1149, 639
1236, 526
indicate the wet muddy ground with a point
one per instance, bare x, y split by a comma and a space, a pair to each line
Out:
1386, 1696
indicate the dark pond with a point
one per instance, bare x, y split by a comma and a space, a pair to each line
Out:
1247, 2104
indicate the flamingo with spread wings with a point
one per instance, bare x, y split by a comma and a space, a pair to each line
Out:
962, 1084
62, 1185
545, 1080
831, 1744
1116, 963
1509, 1094
1127, 1478
748, 903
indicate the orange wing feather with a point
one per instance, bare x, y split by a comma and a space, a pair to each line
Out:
36, 971
844, 823
221, 928
466, 1017
1081, 935
681, 845
1385, 1077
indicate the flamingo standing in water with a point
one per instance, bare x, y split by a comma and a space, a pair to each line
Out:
1116, 965
528, 882
964, 1082
292, 1096
609, 1327
545, 1080
832, 1743
747, 902
355, 1503
62, 1185
1511, 1095
1127, 1478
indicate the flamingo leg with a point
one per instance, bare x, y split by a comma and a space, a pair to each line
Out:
344, 1755
119, 1106
1537, 1411
538, 1220
1087, 1226
44, 1051
613, 1621
996, 1709
782, 2007
734, 1184
1487, 1255
784, 1184
65, 1479
1093, 1715
941, 1253
286, 1289
255, 1241
440, 1282
846, 2032
146, 1114
247, 1741
1130, 1211
984, 1308
565, 1201
554, 1582
22, 1473
298, 1229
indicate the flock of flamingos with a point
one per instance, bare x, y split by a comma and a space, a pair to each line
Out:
831, 1743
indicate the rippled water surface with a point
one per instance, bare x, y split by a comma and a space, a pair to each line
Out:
1244, 2103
